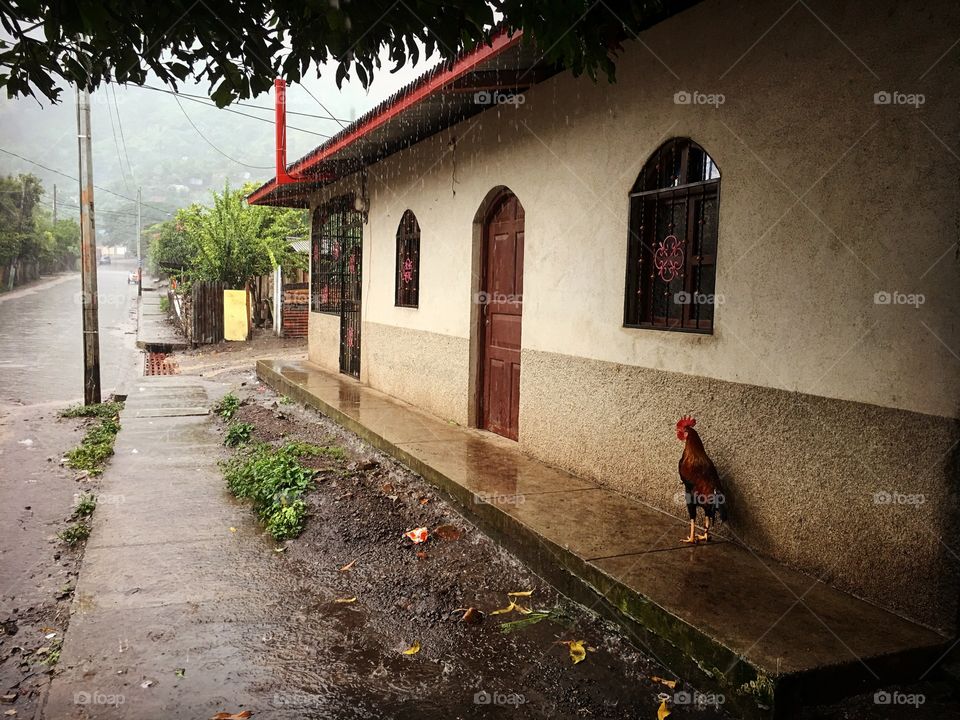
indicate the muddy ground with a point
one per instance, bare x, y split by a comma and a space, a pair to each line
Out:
410, 594
37, 571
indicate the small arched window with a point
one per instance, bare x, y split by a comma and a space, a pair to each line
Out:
408, 261
672, 246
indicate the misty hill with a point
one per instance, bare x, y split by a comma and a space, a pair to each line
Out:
178, 154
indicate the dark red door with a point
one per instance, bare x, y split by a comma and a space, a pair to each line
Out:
502, 310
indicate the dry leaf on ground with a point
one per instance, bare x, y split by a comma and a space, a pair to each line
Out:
348, 566
413, 649
346, 600
663, 710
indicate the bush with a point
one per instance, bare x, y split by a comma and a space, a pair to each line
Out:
75, 534
238, 434
227, 407
274, 480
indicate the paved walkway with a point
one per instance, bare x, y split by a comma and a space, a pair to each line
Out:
161, 623
719, 612
154, 332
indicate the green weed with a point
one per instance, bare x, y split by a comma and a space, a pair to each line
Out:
238, 433
227, 407
273, 479
96, 446
99, 410
85, 506
74, 534
164, 303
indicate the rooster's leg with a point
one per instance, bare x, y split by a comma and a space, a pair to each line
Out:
706, 530
692, 538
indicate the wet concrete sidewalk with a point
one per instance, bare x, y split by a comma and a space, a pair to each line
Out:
718, 614
154, 331
161, 623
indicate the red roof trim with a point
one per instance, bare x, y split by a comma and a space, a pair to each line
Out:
429, 83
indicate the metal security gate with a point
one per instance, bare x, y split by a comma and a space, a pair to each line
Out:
336, 274
352, 253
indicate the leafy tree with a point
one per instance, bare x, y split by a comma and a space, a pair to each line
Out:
230, 241
19, 198
239, 47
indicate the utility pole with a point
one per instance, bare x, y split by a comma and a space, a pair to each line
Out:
88, 254
54, 203
139, 249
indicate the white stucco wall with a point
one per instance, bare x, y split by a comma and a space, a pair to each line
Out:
826, 199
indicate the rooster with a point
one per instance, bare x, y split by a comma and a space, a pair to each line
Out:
700, 481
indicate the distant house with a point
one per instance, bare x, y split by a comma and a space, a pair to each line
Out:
756, 224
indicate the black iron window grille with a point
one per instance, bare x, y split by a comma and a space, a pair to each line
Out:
408, 261
672, 245
336, 232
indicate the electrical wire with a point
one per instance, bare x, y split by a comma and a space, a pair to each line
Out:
238, 162
71, 177
193, 98
116, 144
243, 104
123, 140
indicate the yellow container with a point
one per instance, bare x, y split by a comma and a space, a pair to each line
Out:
235, 315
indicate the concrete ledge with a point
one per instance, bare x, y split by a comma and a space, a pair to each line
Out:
718, 615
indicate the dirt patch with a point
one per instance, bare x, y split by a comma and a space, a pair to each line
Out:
37, 572
415, 595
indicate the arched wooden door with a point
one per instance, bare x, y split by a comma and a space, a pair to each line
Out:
501, 313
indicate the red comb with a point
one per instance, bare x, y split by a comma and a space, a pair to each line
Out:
687, 421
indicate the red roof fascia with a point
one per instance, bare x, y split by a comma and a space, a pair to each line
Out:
498, 43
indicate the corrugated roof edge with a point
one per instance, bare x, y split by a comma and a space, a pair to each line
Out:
499, 40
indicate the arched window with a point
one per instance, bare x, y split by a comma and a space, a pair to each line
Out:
672, 246
408, 261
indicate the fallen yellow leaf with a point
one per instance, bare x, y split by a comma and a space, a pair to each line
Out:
663, 710
346, 600
503, 611
413, 649
578, 653
521, 593
669, 683
348, 566
232, 716
233, 529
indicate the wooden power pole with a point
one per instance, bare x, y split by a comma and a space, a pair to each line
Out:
88, 254
139, 248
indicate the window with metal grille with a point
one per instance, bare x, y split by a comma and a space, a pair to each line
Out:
672, 245
408, 261
335, 233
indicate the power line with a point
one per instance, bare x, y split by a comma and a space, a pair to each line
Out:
71, 177
122, 138
246, 105
254, 167
116, 144
196, 99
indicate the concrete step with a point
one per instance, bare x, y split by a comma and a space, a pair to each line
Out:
720, 614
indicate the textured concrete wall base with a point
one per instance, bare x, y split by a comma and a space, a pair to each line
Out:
856, 495
427, 369
324, 341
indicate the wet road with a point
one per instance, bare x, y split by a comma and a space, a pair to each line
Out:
41, 337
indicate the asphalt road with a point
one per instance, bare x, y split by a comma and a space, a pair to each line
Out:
41, 350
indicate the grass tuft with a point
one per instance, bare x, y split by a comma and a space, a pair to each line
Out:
227, 407
75, 534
